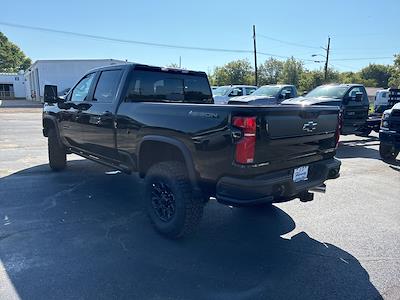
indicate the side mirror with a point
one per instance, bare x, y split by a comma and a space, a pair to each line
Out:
359, 96
51, 95
346, 100
305, 93
234, 93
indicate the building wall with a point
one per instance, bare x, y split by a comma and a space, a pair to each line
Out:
18, 82
62, 73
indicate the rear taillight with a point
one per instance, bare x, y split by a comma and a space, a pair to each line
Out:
338, 129
245, 148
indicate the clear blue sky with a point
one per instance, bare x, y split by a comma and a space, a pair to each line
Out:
359, 29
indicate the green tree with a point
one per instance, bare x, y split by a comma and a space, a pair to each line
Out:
355, 77
12, 59
235, 72
269, 71
291, 71
378, 73
310, 79
394, 80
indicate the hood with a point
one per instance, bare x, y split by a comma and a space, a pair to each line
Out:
312, 101
221, 99
254, 100
395, 107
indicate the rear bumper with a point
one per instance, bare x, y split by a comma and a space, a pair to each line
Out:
390, 137
275, 186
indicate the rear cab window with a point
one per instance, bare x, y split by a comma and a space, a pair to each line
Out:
164, 86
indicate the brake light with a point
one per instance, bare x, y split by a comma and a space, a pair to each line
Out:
338, 129
245, 148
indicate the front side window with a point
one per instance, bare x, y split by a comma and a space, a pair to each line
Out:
352, 93
81, 90
153, 86
107, 86
250, 90
238, 91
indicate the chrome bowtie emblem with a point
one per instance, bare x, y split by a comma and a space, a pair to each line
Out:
310, 126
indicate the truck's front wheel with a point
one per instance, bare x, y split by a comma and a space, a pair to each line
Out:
57, 152
172, 205
388, 152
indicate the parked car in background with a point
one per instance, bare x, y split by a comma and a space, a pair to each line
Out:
162, 123
352, 100
266, 95
381, 100
222, 94
389, 134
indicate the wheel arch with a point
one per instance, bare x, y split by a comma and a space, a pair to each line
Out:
172, 149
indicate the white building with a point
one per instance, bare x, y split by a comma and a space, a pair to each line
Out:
12, 85
62, 73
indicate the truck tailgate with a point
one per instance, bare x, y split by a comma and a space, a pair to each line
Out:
286, 134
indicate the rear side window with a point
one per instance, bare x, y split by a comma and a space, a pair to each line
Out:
168, 87
107, 86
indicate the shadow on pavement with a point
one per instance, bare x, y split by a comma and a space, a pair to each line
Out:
83, 234
358, 148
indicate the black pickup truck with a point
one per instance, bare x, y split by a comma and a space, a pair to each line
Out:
389, 134
352, 99
162, 123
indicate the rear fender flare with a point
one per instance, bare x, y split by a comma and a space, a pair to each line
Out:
182, 148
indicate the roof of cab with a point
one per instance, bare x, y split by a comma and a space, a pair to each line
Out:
145, 67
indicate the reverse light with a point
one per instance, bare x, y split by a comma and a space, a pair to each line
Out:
245, 148
338, 129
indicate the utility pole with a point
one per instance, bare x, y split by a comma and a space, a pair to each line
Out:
180, 62
327, 58
255, 55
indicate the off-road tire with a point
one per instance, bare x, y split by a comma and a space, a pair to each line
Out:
387, 152
188, 204
57, 152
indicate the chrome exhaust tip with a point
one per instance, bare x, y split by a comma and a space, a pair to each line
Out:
319, 189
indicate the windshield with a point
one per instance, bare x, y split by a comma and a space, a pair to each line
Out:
221, 91
269, 91
328, 91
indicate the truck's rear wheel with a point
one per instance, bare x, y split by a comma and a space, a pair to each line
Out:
172, 205
388, 152
57, 152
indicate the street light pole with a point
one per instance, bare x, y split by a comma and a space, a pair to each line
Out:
255, 56
327, 59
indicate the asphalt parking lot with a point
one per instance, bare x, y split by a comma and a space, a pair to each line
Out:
82, 233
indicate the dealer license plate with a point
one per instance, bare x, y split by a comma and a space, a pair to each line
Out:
300, 174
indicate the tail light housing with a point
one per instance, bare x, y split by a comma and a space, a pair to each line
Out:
338, 128
245, 147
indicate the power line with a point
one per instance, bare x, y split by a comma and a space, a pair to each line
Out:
104, 38
98, 37
362, 58
287, 42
